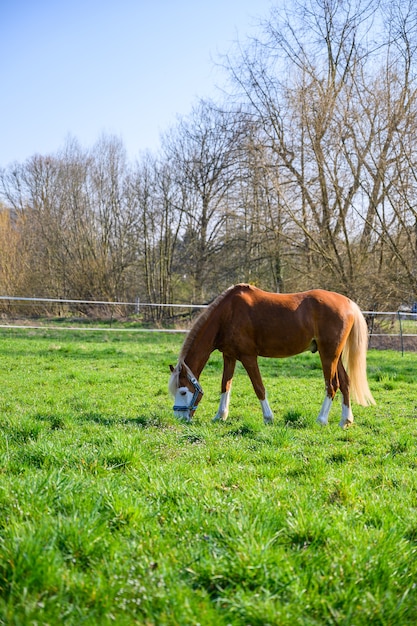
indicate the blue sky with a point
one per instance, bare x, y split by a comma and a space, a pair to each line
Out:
81, 68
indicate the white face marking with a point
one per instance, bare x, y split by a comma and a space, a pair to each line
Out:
183, 397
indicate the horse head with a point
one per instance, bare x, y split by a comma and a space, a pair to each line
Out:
185, 389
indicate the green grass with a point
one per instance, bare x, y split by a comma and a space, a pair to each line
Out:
112, 512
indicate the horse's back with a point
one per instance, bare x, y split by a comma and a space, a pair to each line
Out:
279, 325
310, 300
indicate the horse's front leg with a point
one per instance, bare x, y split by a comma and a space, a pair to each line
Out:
323, 417
229, 365
251, 366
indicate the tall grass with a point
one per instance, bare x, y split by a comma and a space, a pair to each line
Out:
112, 512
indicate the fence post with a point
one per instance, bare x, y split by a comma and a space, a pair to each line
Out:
401, 333
370, 323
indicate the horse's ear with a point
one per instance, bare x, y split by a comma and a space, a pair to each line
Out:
171, 367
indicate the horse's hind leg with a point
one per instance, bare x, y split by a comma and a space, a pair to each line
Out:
251, 366
335, 376
229, 365
347, 415
330, 372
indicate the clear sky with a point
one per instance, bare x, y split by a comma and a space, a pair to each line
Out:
81, 68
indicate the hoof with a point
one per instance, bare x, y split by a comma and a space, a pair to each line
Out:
269, 419
322, 421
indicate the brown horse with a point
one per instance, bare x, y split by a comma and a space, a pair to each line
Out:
245, 322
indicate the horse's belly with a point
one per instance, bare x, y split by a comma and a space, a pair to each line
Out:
281, 336
277, 347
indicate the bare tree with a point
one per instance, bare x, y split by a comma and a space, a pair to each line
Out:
13, 254
307, 179
158, 201
115, 217
332, 122
204, 147
76, 219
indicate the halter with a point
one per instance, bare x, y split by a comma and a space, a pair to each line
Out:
197, 390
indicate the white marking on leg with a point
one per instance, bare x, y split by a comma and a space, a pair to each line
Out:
347, 416
324, 411
267, 411
223, 410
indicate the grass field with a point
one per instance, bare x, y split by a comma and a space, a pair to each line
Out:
112, 512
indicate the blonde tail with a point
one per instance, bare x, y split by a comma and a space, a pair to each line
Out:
354, 359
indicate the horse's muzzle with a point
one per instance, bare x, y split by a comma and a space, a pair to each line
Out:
186, 411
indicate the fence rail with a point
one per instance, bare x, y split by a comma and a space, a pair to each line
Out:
101, 302
387, 329
61, 313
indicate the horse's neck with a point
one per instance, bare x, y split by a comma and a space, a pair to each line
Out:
198, 354
196, 360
